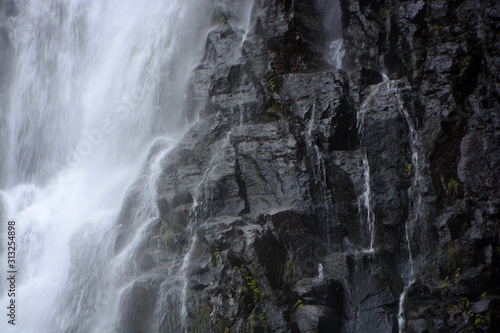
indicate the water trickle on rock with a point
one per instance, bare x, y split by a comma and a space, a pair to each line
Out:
331, 16
414, 193
366, 197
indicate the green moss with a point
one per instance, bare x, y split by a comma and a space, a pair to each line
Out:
409, 168
218, 259
252, 285
271, 84
453, 189
479, 319
299, 303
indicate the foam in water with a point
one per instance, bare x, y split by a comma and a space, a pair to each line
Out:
94, 84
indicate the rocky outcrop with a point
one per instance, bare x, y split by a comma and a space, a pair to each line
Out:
306, 198
445, 53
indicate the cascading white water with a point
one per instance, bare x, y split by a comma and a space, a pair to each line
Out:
331, 14
93, 84
411, 280
367, 202
245, 13
336, 53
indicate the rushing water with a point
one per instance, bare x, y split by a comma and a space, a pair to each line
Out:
336, 53
91, 85
367, 202
332, 23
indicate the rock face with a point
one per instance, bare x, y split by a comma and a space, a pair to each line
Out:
305, 198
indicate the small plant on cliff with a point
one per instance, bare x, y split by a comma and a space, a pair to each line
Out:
299, 303
263, 317
465, 302
277, 107
454, 188
408, 168
218, 259
252, 284
469, 60
479, 319
271, 84
445, 283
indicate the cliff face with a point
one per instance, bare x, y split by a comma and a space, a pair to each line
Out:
310, 199
445, 56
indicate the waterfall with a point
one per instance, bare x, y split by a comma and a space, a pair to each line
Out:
336, 53
367, 202
92, 85
331, 15
245, 13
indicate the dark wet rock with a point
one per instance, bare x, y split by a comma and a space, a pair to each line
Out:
137, 304
262, 221
315, 319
